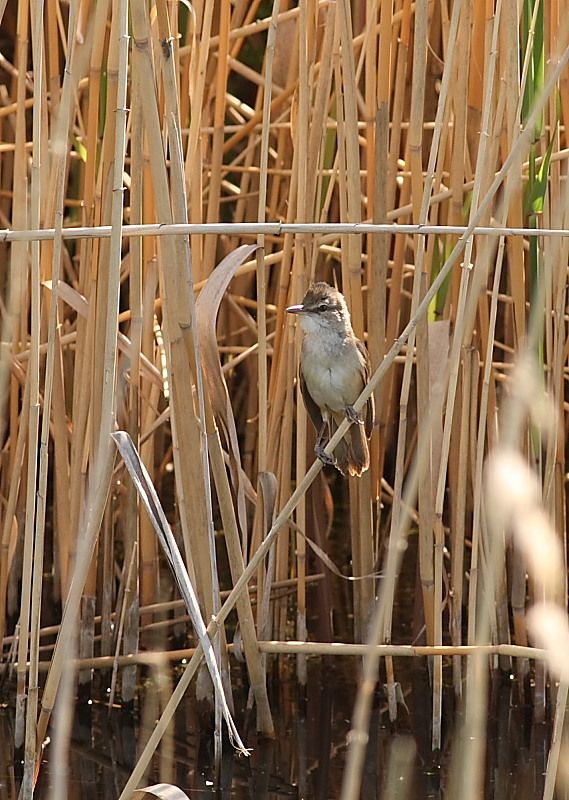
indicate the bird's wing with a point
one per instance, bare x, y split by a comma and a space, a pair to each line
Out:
311, 406
370, 405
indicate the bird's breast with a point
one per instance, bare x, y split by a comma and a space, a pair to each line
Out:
332, 370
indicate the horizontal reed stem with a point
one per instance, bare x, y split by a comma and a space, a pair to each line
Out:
292, 648
275, 229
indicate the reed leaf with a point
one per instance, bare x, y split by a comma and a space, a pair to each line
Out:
147, 494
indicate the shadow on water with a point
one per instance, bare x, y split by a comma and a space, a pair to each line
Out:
307, 758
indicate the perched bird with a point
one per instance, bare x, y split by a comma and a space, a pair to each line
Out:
334, 367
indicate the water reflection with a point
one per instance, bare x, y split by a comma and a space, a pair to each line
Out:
307, 758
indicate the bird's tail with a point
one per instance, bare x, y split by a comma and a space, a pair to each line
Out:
352, 452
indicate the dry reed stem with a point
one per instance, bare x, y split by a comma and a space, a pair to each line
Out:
133, 530
313, 648
304, 210
461, 335
243, 604
32, 573
556, 742
103, 454
20, 256
64, 115
179, 209
260, 264
278, 229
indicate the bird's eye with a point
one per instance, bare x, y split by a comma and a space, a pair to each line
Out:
322, 307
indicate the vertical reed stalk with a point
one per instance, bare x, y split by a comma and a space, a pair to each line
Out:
104, 455
20, 218
33, 536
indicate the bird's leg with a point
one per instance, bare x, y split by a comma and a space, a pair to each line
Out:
319, 450
353, 415
321, 433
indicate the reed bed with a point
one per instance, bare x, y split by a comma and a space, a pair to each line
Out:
172, 177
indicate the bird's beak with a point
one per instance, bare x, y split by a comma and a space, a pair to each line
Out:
296, 309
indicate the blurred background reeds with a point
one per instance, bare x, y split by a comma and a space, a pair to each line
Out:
415, 154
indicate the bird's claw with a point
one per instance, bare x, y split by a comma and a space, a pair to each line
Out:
353, 415
326, 459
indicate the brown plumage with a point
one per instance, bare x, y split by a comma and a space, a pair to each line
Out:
334, 368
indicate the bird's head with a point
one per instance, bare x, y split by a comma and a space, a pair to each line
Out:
322, 309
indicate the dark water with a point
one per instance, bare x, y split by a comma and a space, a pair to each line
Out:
307, 758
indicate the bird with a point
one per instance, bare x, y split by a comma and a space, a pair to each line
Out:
334, 368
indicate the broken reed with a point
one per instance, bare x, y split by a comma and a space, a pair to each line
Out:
321, 112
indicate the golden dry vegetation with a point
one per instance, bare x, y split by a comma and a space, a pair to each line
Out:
409, 152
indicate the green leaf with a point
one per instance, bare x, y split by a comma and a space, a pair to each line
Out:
441, 252
541, 179
537, 179
80, 149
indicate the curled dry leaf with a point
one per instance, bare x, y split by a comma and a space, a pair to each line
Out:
164, 791
147, 493
207, 308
